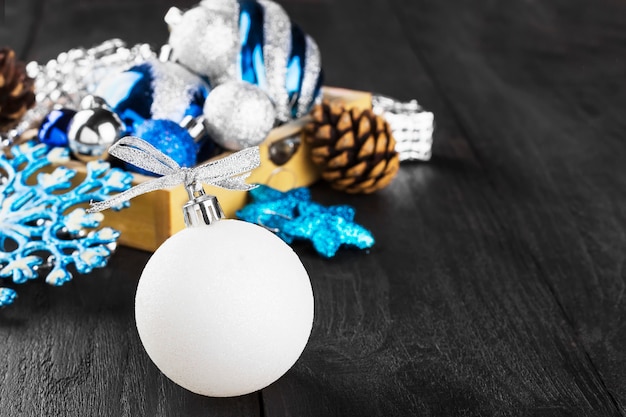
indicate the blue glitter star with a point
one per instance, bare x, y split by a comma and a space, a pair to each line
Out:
271, 208
292, 215
328, 228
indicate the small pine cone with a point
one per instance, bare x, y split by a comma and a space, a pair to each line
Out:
355, 148
16, 89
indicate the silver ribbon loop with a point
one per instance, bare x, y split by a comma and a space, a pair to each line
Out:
229, 172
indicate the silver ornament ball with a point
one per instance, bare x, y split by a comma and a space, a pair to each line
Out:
207, 41
91, 132
238, 115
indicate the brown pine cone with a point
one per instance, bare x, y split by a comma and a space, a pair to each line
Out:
16, 89
355, 148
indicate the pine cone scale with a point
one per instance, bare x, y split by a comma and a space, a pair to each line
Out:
367, 149
365, 127
379, 168
357, 170
339, 161
344, 123
345, 142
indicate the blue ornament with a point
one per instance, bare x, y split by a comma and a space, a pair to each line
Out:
43, 226
279, 57
292, 215
154, 90
171, 139
53, 129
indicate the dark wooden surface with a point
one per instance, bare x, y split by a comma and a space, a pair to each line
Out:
497, 284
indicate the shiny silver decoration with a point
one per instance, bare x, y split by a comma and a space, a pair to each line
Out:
238, 115
66, 80
93, 130
165, 53
312, 68
229, 172
173, 16
206, 39
201, 209
91, 102
195, 126
411, 125
281, 151
276, 47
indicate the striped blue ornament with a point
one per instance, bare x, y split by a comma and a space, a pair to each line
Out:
153, 90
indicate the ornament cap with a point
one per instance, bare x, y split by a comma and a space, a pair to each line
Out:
195, 126
93, 102
202, 209
165, 53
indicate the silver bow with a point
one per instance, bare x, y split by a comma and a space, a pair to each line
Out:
229, 172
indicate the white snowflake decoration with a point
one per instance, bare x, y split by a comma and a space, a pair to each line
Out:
43, 229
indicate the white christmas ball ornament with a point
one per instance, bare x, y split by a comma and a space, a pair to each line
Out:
238, 115
224, 309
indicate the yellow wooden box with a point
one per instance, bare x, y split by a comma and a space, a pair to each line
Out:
153, 217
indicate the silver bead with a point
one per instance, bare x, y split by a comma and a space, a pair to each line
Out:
91, 132
238, 115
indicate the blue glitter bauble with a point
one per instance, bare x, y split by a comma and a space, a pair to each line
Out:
153, 90
171, 139
53, 130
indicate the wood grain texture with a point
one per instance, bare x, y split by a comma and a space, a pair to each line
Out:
496, 286
547, 77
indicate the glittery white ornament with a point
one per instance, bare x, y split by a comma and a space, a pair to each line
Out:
224, 307
232, 326
238, 115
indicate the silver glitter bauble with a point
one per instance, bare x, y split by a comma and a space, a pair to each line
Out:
207, 41
238, 115
91, 132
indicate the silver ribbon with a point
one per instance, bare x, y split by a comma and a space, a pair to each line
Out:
229, 172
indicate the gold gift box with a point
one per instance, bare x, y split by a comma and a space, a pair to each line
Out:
153, 217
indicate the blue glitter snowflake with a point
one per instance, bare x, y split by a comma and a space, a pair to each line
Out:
43, 229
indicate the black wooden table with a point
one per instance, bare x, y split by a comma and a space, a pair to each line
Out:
497, 283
